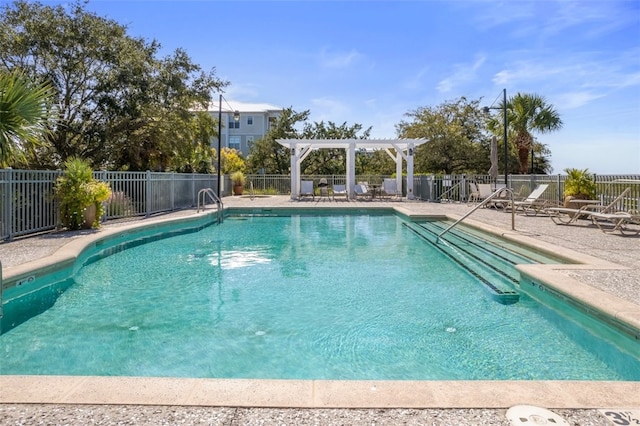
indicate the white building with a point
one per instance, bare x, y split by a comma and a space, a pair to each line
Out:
254, 122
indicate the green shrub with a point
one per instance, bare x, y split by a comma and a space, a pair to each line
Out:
76, 190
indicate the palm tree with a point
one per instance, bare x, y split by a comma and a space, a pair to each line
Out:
530, 113
24, 114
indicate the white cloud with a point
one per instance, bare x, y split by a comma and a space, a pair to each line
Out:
570, 100
338, 60
328, 109
463, 73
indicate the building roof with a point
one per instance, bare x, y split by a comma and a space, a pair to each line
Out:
244, 107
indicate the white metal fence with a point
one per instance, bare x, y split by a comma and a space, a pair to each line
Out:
27, 204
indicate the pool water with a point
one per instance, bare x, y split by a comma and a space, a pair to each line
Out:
301, 297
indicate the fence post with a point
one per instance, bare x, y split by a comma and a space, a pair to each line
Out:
172, 196
147, 200
10, 210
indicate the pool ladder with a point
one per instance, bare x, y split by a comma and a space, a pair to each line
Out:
202, 201
482, 204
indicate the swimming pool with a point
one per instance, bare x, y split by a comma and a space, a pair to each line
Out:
310, 297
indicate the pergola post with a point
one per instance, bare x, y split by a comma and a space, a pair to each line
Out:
295, 173
410, 149
351, 170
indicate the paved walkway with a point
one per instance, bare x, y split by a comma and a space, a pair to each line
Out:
615, 272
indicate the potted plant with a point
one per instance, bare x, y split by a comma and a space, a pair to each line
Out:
80, 196
578, 185
238, 179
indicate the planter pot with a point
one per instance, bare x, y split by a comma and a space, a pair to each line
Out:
89, 216
238, 189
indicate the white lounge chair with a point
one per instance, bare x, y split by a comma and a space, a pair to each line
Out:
619, 221
362, 190
533, 204
481, 191
339, 190
307, 190
390, 188
566, 216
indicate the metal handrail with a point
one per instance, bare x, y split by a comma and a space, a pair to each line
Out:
252, 193
483, 203
214, 197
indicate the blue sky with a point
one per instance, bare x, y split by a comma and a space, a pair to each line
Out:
370, 62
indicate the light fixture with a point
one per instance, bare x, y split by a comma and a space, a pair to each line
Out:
506, 126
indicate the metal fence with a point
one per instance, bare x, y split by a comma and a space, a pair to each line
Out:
456, 188
28, 206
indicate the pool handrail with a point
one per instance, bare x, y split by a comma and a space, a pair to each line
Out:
214, 197
483, 203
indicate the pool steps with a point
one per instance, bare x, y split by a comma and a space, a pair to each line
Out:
473, 256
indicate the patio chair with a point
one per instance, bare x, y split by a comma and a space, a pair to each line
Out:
481, 191
566, 216
533, 204
340, 190
619, 221
307, 190
362, 190
390, 189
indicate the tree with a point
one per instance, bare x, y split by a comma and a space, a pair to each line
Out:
267, 154
231, 161
329, 161
24, 115
457, 142
117, 103
528, 113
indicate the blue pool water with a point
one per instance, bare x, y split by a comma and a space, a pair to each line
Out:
302, 297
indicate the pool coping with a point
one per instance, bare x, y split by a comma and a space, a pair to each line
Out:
336, 393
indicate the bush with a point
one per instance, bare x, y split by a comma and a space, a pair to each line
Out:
76, 191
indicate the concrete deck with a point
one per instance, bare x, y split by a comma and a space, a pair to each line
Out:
607, 277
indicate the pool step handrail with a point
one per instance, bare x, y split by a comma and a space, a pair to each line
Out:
252, 192
202, 195
482, 204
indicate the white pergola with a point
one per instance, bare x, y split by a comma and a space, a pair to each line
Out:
301, 148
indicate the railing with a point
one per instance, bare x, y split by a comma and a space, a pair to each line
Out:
482, 204
28, 206
202, 201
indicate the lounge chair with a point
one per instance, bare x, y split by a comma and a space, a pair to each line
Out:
340, 190
390, 189
533, 204
619, 221
306, 189
481, 191
362, 190
566, 216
